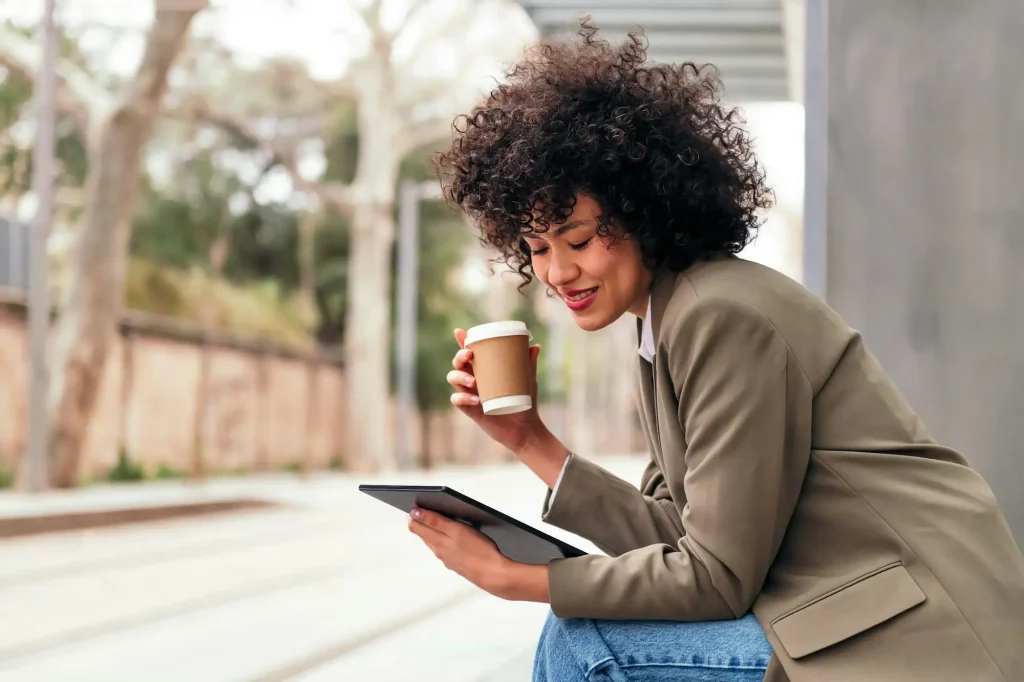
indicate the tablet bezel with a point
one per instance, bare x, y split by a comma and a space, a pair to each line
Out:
566, 550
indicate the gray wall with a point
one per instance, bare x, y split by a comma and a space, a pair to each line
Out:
924, 207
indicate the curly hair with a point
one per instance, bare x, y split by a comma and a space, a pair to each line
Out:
667, 163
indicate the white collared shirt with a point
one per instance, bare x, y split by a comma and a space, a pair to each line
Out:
646, 348
646, 351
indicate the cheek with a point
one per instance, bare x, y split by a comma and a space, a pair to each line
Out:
540, 270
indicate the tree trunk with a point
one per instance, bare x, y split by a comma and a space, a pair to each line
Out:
94, 297
307, 265
426, 422
197, 461
367, 338
368, 315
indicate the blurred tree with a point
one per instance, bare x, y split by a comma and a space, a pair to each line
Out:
16, 145
115, 128
404, 98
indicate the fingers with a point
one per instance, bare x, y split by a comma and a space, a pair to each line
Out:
462, 381
534, 355
463, 361
460, 336
434, 522
465, 400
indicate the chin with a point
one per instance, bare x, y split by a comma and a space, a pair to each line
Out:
592, 321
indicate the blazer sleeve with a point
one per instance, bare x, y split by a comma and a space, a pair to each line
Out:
744, 406
657, 521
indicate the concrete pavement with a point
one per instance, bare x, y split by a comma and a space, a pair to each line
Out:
327, 586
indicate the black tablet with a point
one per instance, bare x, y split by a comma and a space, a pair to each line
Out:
514, 539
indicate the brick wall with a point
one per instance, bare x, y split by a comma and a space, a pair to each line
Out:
262, 408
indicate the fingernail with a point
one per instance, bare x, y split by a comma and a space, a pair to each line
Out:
468, 381
416, 514
475, 399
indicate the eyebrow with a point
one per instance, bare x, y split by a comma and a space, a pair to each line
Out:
558, 232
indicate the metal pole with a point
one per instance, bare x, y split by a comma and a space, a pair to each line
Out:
405, 318
36, 478
816, 148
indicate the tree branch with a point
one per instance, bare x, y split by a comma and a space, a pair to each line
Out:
412, 18
338, 196
78, 95
416, 135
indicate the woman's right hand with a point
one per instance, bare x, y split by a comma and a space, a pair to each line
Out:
513, 431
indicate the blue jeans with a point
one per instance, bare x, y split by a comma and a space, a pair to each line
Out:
584, 650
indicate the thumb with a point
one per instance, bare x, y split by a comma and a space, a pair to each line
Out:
534, 354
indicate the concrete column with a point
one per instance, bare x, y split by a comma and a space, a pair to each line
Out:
924, 219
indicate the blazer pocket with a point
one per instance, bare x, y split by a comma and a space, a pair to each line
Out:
849, 610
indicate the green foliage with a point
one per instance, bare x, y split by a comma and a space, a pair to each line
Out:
16, 160
342, 148
6, 478
441, 307
180, 229
154, 290
15, 94
332, 249
165, 472
256, 309
263, 244
164, 233
126, 470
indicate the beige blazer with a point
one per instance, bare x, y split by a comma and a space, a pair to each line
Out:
789, 476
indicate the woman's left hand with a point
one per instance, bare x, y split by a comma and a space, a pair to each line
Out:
474, 556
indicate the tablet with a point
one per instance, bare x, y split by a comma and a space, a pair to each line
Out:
514, 539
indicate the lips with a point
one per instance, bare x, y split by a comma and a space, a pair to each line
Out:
578, 299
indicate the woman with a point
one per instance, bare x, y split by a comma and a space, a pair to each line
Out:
796, 520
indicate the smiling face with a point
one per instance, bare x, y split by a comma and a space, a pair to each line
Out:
598, 279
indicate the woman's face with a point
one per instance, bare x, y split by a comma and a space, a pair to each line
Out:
597, 280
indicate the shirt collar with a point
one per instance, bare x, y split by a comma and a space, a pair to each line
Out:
646, 348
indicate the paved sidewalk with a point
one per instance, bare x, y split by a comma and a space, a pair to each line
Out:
327, 586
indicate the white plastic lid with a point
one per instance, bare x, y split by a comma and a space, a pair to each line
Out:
492, 330
510, 404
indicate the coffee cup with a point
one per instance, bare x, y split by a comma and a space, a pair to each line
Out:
501, 365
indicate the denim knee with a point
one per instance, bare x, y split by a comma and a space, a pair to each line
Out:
584, 650
572, 650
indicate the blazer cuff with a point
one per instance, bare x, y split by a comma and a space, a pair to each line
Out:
553, 492
568, 588
577, 485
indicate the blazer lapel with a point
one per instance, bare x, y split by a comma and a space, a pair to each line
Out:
662, 287
648, 404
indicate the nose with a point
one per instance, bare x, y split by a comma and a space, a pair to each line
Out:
562, 269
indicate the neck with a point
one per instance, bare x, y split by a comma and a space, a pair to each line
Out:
640, 305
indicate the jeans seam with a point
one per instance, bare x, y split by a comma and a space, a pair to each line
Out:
611, 652
692, 665
594, 666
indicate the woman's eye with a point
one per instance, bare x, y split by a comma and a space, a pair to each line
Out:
582, 245
538, 252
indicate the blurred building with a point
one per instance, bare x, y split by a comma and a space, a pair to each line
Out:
743, 38
14, 254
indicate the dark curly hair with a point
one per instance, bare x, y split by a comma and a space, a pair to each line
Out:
653, 145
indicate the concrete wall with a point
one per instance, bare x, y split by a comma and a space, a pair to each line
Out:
925, 212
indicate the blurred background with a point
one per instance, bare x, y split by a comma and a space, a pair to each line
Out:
228, 287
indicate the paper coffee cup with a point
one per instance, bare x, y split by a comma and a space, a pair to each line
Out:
501, 364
